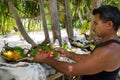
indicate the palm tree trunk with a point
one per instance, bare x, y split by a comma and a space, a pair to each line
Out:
19, 24
55, 21
68, 19
44, 25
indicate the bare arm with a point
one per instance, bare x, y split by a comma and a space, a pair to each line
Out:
84, 66
91, 64
72, 55
77, 57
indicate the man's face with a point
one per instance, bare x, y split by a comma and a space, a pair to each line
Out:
98, 26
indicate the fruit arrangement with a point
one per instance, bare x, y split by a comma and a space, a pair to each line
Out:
45, 49
17, 53
47, 53
13, 53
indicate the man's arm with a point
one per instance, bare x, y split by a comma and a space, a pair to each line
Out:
77, 57
71, 55
91, 64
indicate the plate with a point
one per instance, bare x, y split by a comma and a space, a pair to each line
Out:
15, 60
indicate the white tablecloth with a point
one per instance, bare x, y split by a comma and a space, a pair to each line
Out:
22, 71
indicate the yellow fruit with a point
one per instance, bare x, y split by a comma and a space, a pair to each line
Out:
12, 55
17, 55
8, 54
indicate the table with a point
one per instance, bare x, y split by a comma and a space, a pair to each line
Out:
28, 71
22, 71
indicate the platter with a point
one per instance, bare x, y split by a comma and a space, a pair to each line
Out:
15, 54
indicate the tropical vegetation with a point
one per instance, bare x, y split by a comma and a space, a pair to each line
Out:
35, 15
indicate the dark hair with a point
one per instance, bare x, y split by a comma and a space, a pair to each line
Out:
109, 13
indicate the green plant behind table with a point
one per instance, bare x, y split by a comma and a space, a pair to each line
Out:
6, 21
85, 26
111, 2
7, 25
77, 24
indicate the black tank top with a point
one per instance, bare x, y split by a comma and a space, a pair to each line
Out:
103, 75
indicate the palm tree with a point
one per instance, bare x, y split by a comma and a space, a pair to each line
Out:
55, 21
19, 24
44, 24
68, 18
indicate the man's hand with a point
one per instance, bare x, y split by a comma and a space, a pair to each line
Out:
40, 58
63, 52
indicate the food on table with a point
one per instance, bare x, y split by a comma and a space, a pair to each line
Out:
47, 53
45, 49
13, 53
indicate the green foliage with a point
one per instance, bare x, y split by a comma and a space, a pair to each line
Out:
34, 51
29, 10
64, 46
19, 50
4, 16
85, 26
77, 24
112, 2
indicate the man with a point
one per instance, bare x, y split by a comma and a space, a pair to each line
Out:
103, 62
